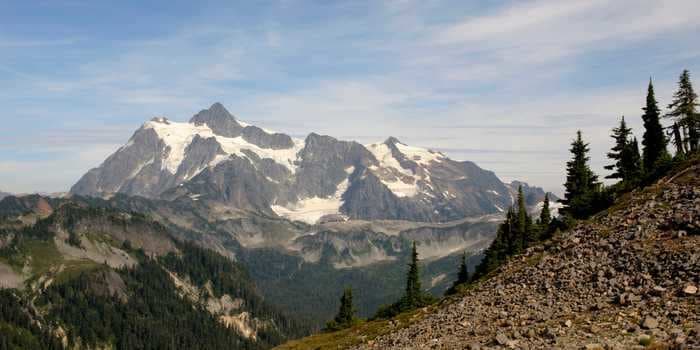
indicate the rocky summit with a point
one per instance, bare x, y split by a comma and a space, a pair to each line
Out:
625, 279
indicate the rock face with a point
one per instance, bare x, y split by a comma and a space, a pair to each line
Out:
622, 280
217, 158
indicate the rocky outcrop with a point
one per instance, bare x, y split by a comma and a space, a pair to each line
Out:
623, 280
219, 120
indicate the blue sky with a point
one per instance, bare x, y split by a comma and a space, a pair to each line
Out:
501, 83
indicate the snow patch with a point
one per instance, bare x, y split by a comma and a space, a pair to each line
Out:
310, 210
177, 136
386, 160
419, 155
402, 189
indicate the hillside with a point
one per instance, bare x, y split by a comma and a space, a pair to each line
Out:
90, 277
627, 277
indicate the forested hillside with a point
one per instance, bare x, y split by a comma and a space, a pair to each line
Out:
90, 277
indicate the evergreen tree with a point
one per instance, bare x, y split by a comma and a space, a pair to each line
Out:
621, 136
346, 313
632, 162
683, 111
653, 141
524, 234
413, 287
414, 296
545, 215
677, 140
581, 183
462, 274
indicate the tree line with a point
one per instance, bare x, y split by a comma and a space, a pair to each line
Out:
584, 195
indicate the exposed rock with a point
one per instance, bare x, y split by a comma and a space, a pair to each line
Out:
650, 323
690, 289
606, 284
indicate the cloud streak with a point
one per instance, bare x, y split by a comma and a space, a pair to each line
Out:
512, 81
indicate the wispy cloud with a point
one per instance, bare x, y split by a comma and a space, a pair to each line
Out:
500, 85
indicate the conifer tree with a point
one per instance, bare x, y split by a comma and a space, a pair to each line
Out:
684, 113
632, 162
413, 287
677, 139
346, 313
524, 234
545, 215
653, 141
462, 274
581, 183
621, 136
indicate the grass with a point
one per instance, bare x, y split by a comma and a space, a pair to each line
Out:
44, 255
73, 268
361, 333
43, 258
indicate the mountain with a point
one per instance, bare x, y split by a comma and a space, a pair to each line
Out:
92, 277
4, 194
627, 278
305, 217
218, 159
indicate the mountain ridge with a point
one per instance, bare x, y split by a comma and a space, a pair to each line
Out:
214, 156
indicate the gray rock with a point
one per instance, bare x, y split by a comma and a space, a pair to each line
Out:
650, 323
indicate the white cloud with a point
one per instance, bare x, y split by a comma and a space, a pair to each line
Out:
433, 74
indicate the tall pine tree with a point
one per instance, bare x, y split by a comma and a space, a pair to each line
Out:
581, 183
524, 233
678, 140
346, 313
632, 163
545, 215
462, 274
653, 141
414, 293
682, 109
621, 136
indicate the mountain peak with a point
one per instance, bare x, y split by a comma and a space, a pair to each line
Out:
392, 141
219, 120
160, 120
217, 107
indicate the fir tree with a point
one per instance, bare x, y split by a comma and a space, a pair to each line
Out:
346, 313
413, 287
631, 162
524, 234
677, 140
545, 215
621, 136
683, 111
581, 183
462, 274
653, 141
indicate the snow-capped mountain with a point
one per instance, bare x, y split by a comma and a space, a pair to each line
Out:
230, 164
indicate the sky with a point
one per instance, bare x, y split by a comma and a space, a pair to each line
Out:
505, 84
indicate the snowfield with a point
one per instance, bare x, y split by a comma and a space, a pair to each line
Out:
177, 136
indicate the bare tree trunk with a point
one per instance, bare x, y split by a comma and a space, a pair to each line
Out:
677, 139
